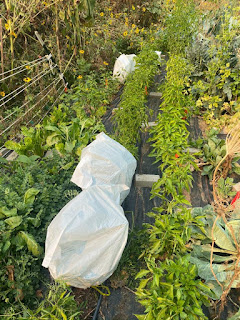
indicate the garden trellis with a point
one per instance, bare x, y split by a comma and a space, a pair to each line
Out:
20, 115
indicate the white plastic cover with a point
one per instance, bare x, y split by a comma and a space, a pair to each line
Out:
86, 239
125, 64
105, 162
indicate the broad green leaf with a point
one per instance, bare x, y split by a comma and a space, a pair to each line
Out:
222, 238
24, 159
53, 139
29, 196
8, 212
13, 222
32, 245
11, 145
142, 273
6, 246
69, 146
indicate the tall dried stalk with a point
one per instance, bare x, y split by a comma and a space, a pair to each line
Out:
232, 149
1, 41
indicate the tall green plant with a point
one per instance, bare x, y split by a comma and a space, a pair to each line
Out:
131, 113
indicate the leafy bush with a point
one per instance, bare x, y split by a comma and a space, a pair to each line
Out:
31, 194
169, 291
131, 113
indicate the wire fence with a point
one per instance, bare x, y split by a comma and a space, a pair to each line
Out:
34, 110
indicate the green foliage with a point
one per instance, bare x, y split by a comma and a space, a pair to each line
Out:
66, 130
225, 188
181, 25
216, 84
131, 113
58, 303
170, 135
224, 254
213, 150
169, 291
31, 194
170, 232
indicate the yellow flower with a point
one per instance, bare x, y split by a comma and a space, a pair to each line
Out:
104, 62
79, 77
27, 79
126, 19
131, 44
45, 3
137, 30
110, 9
143, 9
68, 37
28, 67
2, 93
133, 26
81, 51
7, 26
12, 33
125, 33
133, 7
110, 22
126, 23
112, 15
101, 14
142, 30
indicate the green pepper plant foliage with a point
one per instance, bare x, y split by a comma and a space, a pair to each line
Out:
131, 113
168, 288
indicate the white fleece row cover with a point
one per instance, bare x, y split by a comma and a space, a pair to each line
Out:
86, 239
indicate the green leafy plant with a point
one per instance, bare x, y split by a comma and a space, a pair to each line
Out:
131, 113
170, 135
225, 188
216, 264
169, 291
58, 303
213, 150
31, 194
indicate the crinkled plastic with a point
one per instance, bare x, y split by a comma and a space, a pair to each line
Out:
124, 65
105, 162
86, 239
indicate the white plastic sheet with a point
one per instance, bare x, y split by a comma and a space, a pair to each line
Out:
105, 162
86, 239
124, 65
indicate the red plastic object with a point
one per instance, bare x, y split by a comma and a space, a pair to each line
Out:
237, 196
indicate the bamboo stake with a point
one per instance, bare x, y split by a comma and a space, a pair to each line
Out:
1, 41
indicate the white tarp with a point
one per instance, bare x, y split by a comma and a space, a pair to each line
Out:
105, 162
86, 239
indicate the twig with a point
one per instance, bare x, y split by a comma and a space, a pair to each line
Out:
89, 313
211, 257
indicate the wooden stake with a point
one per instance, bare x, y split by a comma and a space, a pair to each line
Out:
1, 44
